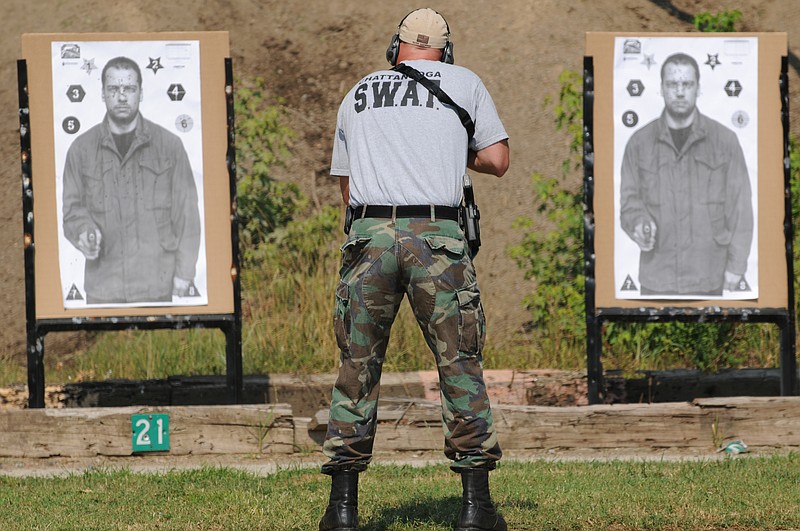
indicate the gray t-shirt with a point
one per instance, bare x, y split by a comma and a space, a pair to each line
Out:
401, 146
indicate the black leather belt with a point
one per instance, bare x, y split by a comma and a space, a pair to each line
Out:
406, 211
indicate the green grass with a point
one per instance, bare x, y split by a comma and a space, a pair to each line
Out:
742, 493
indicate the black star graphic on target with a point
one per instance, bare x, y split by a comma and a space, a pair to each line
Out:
89, 66
155, 65
713, 60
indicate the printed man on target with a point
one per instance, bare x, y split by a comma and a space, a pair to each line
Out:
685, 195
130, 201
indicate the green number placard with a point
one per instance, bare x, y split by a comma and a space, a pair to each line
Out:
150, 433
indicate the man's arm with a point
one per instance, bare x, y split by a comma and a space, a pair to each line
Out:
79, 227
491, 159
634, 217
344, 186
738, 216
185, 219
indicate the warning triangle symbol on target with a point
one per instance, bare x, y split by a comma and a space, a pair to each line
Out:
192, 291
74, 294
628, 285
742, 285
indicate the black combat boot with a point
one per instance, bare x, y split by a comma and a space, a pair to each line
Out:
342, 511
477, 511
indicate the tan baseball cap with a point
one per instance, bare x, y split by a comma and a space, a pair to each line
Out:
425, 28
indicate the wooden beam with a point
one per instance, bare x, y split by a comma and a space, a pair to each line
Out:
409, 425
86, 432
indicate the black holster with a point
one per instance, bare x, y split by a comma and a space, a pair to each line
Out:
469, 219
349, 214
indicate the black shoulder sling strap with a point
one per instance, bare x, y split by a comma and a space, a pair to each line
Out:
470, 215
437, 91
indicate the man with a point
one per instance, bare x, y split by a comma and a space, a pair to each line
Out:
130, 201
401, 155
685, 195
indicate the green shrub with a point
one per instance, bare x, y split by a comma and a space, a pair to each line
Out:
724, 21
263, 204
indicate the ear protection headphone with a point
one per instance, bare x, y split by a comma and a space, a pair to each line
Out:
394, 46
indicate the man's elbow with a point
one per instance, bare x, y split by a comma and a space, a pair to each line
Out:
493, 160
501, 161
502, 167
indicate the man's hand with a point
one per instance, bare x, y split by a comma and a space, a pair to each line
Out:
181, 287
731, 281
89, 243
645, 235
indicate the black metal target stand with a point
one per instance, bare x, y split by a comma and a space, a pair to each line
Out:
784, 318
36, 329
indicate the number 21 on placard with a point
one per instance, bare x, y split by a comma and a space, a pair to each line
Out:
150, 432
143, 428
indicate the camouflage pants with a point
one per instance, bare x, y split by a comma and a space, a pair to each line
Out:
382, 261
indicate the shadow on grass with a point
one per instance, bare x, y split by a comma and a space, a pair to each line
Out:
441, 512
